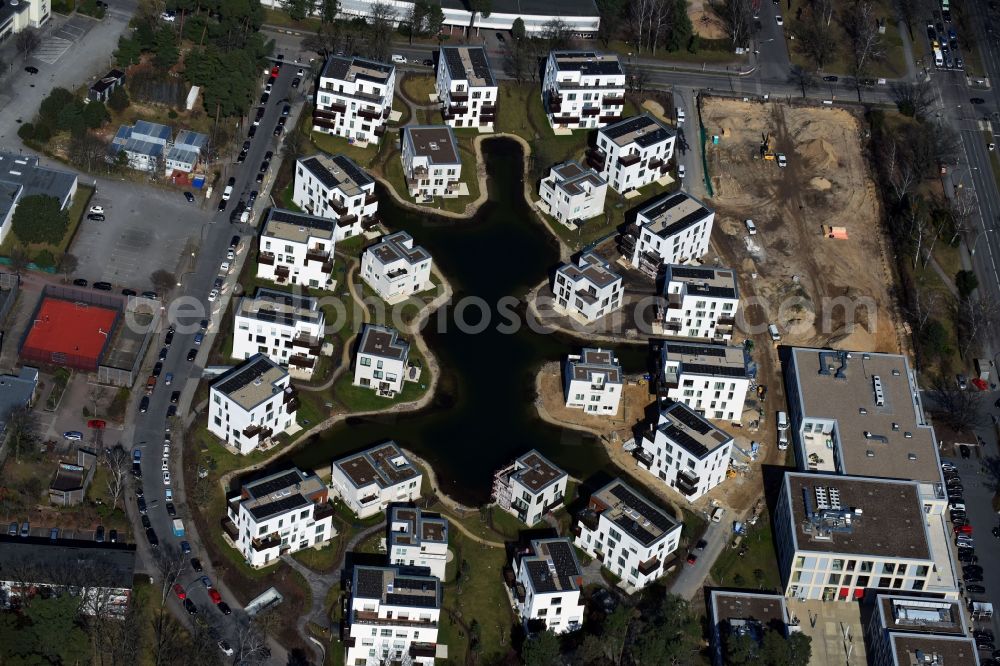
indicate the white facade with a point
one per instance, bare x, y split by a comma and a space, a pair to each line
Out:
252, 403
572, 193
631, 536
673, 229
685, 451
547, 589
593, 382
583, 89
284, 512
367, 482
921, 631
296, 248
15, 17
530, 487
710, 379
395, 269
432, 164
286, 327
354, 98
381, 361
466, 88
338, 189
392, 617
839, 536
588, 289
418, 539
701, 302
633, 152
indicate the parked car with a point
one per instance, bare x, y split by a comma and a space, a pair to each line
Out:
224, 608
174, 397
830, 78
80, 282
154, 541
215, 596
190, 607
975, 589
226, 648
179, 591
185, 547
144, 404
73, 435
95, 217
398, 59
166, 478
189, 197
296, 81
171, 509
192, 354
196, 564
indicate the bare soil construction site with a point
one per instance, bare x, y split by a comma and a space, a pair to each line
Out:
816, 265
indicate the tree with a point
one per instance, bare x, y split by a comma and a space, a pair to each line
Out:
515, 61
799, 647
166, 48
740, 649
415, 19
958, 408
297, 9
381, 18
612, 16
867, 45
815, 37
163, 282
118, 100
328, 10
23, 430
483, 7
26, 132
540, 650
55, 102
738, 17
556, 34
88, 151
976, 317
128, 52
71, 118
116, 460
95, 114
19, 259
966, 283
913, 99
27, 42
40, 219
68, 264
434, 20
517, 29
801, 77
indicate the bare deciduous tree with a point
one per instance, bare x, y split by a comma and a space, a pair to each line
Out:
381, 19
976, 316
68, 264
913, 98
801, 77
163, 282
22, 429
738, 17
116, 460
27, 42
867, 45
958, 408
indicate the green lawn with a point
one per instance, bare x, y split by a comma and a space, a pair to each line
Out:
77, 209
398, 104
758, 568
360, 399
280, 18
418, 88
704, 55
393, 172
323, 559
332, 145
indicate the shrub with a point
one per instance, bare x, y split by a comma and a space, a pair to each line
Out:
45, 259
26, 132
43, 133
40, 219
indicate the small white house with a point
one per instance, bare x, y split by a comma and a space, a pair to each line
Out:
432, 164
700, 302
466, 88
583, 89
354, 98
285, 326
672, 229
144, 144
633, 152
593, 382
369, 481
396, 269
338, 189
418, 538
252, 403
529, 487
297, 248
284, 512
548, 579
381, 361
588, 289
186, 151
685, 451
571, 193
710, 379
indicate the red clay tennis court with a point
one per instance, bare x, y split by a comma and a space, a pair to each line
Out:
68, 333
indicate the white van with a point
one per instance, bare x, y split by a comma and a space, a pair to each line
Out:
680, 116
751, 227
398, 59
782, 421
717, 514
773, 331
938, 58
782, 440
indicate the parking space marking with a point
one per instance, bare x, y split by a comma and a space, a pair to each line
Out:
52, 49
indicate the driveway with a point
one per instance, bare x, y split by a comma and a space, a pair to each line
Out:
145, 229
693, 577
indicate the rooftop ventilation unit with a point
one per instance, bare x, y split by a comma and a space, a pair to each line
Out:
822, 499
879, 393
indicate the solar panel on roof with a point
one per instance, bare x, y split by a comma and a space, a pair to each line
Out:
700, 350
721, 371
368, 583
266, 487
642, 507
301, 219
692, 273
665, 204
412, 600
624, 127
540, 576
683, 413
695, 447
282, 505
562, 559
352, 170
244, 375
321, 172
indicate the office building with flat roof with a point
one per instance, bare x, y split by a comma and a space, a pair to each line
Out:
917, 630
734, 613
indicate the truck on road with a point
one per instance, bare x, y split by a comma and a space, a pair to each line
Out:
178, 527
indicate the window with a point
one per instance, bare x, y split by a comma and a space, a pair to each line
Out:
365, 361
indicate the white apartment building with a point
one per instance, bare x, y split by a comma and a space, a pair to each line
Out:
367, 482
392, 617
418, 538
432, 165
288, 328
700, 302
547, 582
529, 487
338, 189
672, 229
381, 361
583, 89
593, 382
297, 248
588, 289
908, 631
631, 536
466, 88
281, 513
354, 98
252, 403
685, 451
396, 269
710, 379
571, 193
16, 16
633, 152
839, 536
735, 613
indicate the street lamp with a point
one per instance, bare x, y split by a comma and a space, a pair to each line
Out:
979, 233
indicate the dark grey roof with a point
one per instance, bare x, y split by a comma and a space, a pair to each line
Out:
283, 505
108, 80
301, 219
645, 130
475, 57
67, 562
350, 69
16, 391
383, 342
588, 63
24, 170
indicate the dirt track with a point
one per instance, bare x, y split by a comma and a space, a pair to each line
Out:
790, 265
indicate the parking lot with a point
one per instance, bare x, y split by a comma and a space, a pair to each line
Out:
55, 45
146, 228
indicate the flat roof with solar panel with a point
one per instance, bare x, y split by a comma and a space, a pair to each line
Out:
251, 382
551, 566
588, 63
644, 131
468, 63
672, 213
353, 69
703, 359
686, 428
298, 227
629, 511
281, 492
337, 172
707, 281
280, 307
392, 588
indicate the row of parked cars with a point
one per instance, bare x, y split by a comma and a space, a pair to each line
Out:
24, 529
